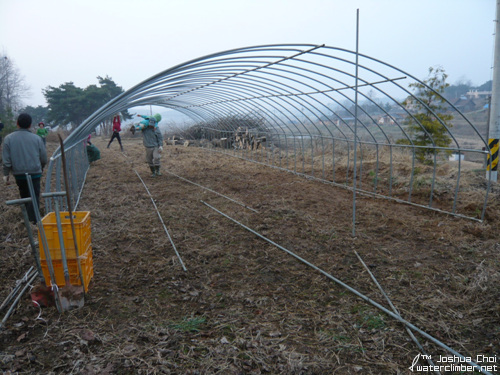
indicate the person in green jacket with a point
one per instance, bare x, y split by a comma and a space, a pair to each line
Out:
42, 132
152, 140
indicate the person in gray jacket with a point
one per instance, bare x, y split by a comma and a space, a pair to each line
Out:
24, 152
152, 139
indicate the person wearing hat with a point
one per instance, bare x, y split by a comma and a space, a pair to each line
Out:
147, 121
152, 140
42, 132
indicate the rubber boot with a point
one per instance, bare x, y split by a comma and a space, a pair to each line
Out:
153, 171
158, 173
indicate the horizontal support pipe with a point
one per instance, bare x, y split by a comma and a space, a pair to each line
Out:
354, 291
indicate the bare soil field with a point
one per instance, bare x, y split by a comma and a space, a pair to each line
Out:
245, 305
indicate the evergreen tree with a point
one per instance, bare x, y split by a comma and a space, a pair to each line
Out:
38, 114
428, 122
69, 104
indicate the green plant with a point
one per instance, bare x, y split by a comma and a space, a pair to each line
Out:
345, 343
227, 261
374, 177
372, 321
189, 325
428, 123
341, 338
420, 182
367, 318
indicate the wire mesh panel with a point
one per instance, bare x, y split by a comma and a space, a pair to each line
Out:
77, 165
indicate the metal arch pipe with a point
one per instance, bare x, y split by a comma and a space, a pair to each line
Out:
256, 68
409, 94
315, 80
416, 79
346, 97
272, 83
293, 115
263, 97
428, 109
148, 83
366, 82
249, 99
223, 54
260, 108
288, 96
263, 109
343, 88
458, 146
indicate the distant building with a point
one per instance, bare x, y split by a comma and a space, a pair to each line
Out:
344, 120
466, 104
474, 94
391, 119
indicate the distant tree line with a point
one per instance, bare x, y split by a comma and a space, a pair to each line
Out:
462, 87
67, 105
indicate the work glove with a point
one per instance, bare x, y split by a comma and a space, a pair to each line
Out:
6, 180
160, 148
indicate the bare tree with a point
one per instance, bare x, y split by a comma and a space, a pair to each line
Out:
13, 89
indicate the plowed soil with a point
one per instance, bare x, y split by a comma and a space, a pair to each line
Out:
244, 304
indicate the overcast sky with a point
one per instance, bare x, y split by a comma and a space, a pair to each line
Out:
56, 41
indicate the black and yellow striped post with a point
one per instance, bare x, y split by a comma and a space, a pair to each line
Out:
492, 163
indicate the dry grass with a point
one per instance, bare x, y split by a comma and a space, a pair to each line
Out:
452, 187
244, 306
